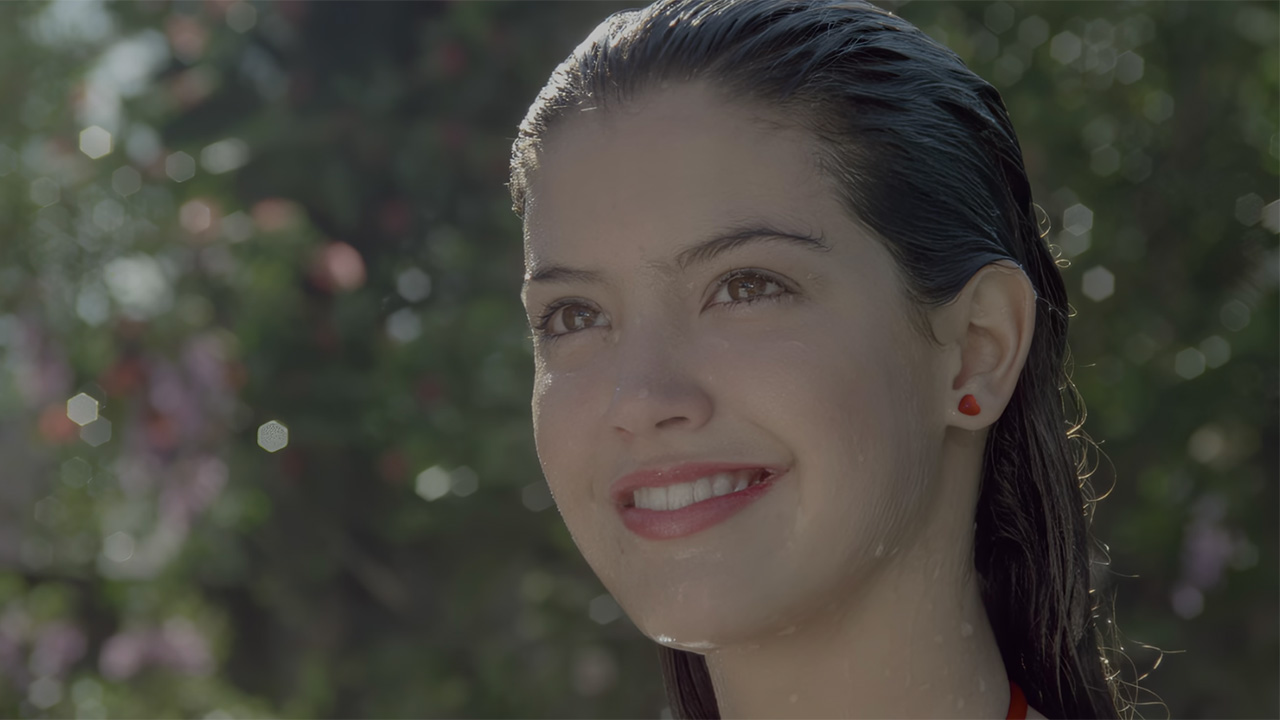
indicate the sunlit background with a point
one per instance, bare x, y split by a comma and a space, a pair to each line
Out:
265, 444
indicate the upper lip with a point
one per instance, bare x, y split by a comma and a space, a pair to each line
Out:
623, 489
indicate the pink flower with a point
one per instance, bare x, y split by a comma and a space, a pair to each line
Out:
178, 646
58, 646
123, 655
183, 648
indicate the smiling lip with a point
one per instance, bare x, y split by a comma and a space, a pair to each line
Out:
624, 488
671, 524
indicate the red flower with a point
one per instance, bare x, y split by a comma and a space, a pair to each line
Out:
452, 59
394, 216
428, 391
273, 214
123, 377
338, 267
393, 467
55, 427
161, 431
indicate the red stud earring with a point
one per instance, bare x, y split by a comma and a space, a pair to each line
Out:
969, 405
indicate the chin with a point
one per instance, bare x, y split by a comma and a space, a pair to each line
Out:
694, 627
689, 641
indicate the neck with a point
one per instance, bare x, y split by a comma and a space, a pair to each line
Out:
914, 641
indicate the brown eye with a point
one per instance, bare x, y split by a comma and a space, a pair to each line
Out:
745, 286
565, 319
576, 317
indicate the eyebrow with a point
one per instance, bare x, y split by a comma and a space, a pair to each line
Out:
697, 254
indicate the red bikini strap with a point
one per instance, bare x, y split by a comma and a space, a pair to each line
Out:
1017, 703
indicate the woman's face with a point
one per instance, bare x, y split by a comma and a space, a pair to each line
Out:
659, 363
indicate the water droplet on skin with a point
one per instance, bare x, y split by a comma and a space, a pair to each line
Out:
699, 645
982, 685
959, 703
937, 639
793, 699
880, 550
965, 629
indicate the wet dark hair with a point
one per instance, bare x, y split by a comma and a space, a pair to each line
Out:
922, 152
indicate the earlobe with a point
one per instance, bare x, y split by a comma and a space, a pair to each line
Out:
994, 322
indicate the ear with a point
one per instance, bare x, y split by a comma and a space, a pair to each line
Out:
986, 335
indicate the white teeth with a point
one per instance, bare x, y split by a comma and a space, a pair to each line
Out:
723, 484
679, 495
701, 490
674, 497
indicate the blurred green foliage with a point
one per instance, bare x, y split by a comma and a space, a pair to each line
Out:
216, 215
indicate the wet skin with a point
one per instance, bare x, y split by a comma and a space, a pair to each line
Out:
849, 590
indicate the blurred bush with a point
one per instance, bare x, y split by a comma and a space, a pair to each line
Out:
265, 383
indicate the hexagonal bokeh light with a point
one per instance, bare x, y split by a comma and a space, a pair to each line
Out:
82, 409
97, 432
180, 167
1065, 47
95, 142
45, 192
604, 609
464, 481
1249, 208
536, 496
273, 436
224, 155
432, 483
1077, 219
1129, 67
413, 284
126, 181
1098, 283
1189, 363
241, 16
1216, 351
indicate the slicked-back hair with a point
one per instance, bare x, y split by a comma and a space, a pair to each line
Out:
921, 152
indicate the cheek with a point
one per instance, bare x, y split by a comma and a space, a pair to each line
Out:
844, 395
559, 401
548, 399
830, 370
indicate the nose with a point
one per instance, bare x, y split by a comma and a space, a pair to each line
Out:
656, 388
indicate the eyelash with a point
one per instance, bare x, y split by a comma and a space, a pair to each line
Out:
540, 327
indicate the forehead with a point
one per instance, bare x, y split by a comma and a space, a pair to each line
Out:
669, 166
